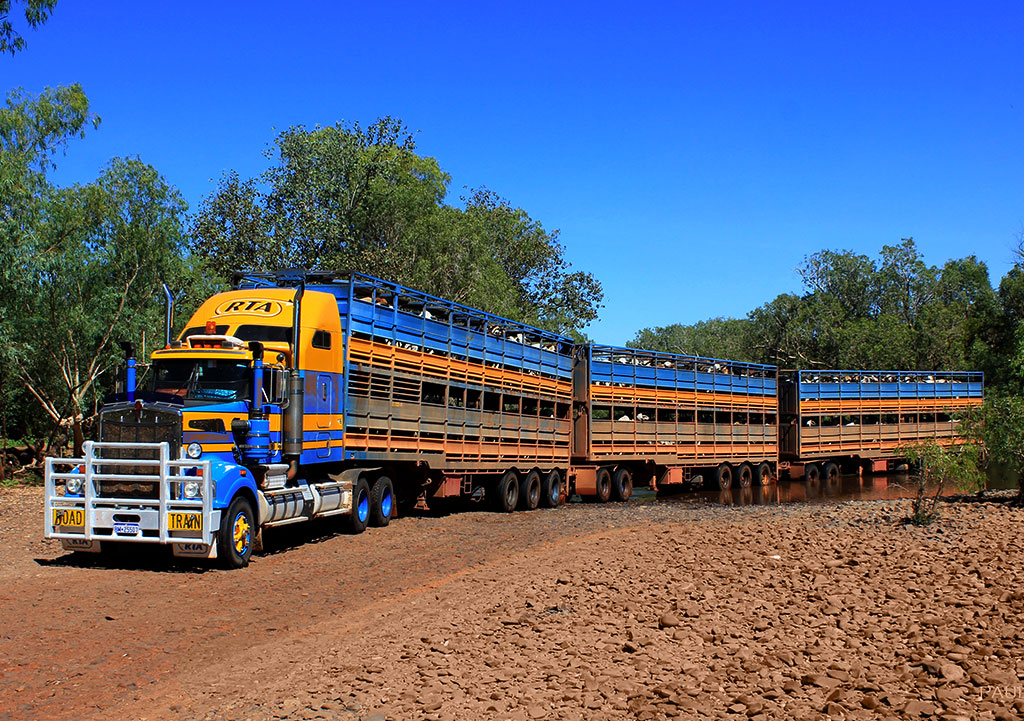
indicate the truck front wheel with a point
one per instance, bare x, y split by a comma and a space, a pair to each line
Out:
237, 534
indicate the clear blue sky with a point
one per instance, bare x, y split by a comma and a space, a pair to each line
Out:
690, 154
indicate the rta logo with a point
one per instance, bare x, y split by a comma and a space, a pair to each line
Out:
249, 306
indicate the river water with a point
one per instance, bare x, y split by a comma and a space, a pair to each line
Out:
848, 488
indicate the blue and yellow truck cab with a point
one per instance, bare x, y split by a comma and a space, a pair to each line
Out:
234, 427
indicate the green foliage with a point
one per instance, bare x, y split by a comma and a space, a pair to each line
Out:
856, 312
349, 197
998, 426
81, 266
36, 13
715, 338
92, 276
937, 466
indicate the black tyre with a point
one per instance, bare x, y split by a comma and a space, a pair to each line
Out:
360, 513
723, 477
506, 492
382, 501
622, 484
551, 489
812, 473
529, 491
830, 472
604, 485
763, 476
745, 475
237, 534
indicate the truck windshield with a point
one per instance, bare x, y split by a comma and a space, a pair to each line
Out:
206, 379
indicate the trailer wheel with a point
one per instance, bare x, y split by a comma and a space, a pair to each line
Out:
552, 489
764, 475
382, 501
603, 487
723, 477
529, 491
506, 492
831, 473
360, 513
237, 533
622, 484
812, 473
745, 475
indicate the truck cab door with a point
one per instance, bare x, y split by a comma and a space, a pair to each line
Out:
324, 412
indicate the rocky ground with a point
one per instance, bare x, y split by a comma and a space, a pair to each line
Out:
636, 611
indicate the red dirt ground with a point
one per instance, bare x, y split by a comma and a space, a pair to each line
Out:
635, 611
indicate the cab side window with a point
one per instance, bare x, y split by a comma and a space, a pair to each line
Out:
322, 339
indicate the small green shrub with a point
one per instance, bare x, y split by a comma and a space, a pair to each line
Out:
937, 466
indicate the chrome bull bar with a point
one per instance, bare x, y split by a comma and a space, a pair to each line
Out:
91, 517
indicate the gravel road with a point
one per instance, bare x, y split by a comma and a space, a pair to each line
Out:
636, 611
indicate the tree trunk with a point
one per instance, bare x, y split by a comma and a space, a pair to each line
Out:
79, 437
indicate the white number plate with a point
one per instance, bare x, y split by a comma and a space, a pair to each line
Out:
126, 529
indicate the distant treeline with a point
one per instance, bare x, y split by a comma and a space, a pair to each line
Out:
890, 313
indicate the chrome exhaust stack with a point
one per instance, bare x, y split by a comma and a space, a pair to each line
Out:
292, 445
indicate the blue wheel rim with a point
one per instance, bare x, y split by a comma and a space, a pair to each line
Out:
241, 532
385, 504
363, 508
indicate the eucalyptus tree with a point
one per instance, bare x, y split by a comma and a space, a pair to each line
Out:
35, 13
348, 197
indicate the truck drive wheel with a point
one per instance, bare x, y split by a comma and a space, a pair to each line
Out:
551, 489
745, 475
812, 473
360, 513
529, 491
622, 484
382, 501
604, 486
506, 492
723, 477
237, 534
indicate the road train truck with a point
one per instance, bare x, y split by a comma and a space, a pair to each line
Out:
301, 395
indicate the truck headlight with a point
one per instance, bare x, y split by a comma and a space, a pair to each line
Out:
194, 450
73, 486
190, 489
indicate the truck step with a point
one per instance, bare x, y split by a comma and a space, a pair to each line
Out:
276, 476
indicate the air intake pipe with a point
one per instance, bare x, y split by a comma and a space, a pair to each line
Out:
296, 386
129, 370
170, 315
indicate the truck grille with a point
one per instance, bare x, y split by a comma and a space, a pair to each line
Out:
134, 424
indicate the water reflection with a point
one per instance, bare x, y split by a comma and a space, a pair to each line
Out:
845, 488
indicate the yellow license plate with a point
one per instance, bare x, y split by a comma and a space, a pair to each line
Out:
69, 517
184, 521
